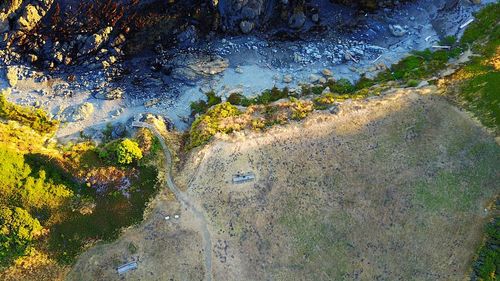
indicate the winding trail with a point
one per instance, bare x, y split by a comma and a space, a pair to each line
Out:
184, 199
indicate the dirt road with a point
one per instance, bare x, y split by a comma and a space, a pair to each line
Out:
184, 199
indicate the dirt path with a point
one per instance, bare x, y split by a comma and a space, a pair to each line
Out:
185, 200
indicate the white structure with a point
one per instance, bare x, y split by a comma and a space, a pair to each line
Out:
242, 178
126, 267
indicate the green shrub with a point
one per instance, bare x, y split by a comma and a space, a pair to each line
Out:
17, 230
212, 99
412, 83
301, 109
208, 124
342, 86
487, 265
127, 151
236, 99
201, 106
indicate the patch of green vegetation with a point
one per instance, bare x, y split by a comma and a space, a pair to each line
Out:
486, 21
480, 94
301, 109
202, 106
209, 124
29, 196
319, 244
342, 86
266, 97
487, 264
40, 191
479, 80
418, 66
121, 152
113, 210
36, 119
460, 189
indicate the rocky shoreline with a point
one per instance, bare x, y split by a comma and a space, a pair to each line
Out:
102, 85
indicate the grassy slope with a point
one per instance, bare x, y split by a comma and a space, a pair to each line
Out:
27, 132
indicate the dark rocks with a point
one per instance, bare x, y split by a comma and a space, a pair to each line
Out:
93, 42
297, 20
246, 26
119, 131
190, 67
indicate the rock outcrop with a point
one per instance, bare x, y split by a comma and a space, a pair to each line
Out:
78, 112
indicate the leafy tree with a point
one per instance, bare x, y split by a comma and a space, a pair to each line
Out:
17, 230
127, 151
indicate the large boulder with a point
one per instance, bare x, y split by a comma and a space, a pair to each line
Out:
93, 42
297, 20
244, 14
7, 10
190, 67
78, 112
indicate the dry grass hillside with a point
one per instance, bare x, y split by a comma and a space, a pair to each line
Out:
391, 188
394, 188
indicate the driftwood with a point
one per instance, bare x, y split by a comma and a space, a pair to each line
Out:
466, 23
441, 47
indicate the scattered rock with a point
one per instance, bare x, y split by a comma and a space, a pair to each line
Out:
188, 36
5, 92
114, 94
335, 109
315, 18
190, 67
29, 19
287, 78
93, 42
397, 30
423, 84
7, 10
239, 70
246, 26
32, 58
313, 78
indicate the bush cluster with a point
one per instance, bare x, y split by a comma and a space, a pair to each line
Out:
121, 152
209, 124
37, 119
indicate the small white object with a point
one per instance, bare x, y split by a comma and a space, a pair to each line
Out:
441, 47
377, 59
466, 23
167, 218
176, 216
